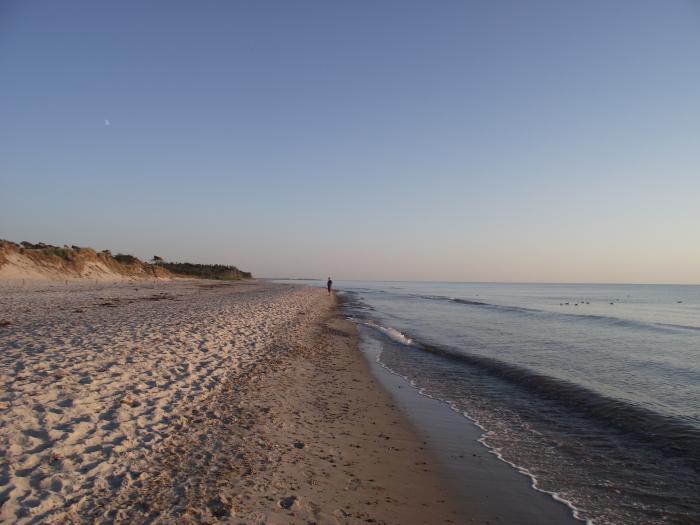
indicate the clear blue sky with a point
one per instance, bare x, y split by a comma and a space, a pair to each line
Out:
455, 140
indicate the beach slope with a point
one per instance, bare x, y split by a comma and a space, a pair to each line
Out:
196, 402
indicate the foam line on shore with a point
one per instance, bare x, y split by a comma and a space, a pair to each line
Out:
534, 482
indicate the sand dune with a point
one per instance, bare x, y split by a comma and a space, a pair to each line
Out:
20, 264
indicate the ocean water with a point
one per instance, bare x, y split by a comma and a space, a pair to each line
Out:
591, 390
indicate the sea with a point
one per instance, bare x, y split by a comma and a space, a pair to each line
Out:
591, 390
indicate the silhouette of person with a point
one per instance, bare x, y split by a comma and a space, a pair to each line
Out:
329, 284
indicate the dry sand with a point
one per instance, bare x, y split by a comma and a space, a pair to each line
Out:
194, 402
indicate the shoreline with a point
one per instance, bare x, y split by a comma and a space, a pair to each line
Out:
490, 489
204, 402
247, 402
549, 405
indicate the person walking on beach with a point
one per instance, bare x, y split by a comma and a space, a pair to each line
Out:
329, 284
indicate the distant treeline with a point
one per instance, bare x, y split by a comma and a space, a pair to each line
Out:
206, 271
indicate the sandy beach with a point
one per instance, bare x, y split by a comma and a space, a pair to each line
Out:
194, 401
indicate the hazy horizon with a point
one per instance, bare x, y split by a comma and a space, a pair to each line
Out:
408, 141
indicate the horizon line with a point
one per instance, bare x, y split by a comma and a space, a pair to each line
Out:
481, 282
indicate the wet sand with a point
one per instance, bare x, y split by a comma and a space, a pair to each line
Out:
487, 489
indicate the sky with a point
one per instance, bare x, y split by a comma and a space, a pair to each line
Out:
494, 140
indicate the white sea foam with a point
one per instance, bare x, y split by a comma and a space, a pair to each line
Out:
392, 333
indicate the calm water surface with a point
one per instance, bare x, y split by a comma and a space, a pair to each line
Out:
592, 390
